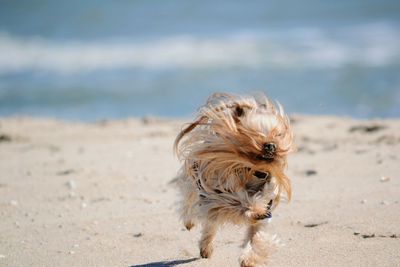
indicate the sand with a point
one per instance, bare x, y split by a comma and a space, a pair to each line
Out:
100, 194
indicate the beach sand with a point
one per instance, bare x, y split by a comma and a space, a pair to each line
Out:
100, 194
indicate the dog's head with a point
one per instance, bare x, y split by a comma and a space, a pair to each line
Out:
244, 137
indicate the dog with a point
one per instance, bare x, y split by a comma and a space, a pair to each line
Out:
234, 155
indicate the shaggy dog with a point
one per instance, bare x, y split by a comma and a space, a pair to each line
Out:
234, 155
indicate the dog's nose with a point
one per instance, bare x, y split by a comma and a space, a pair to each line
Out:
269, 148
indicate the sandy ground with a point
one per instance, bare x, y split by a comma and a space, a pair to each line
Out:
74, 194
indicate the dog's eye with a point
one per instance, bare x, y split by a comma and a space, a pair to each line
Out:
239, 111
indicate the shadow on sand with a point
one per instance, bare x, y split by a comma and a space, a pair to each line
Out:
165, 263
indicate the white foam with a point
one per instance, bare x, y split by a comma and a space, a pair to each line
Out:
370, 45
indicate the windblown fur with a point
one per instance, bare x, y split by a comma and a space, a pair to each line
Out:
234, 155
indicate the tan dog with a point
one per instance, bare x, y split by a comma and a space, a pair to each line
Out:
234, 156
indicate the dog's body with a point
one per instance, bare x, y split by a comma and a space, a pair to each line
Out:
234, 157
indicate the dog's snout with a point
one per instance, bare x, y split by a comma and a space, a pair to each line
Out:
269, 148
268, 152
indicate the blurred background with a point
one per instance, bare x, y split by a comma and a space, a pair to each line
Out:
89, 60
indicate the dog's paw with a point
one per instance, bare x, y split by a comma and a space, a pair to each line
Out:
258, 214
189, 225
247, 261
245, 264
266, 215
206, 252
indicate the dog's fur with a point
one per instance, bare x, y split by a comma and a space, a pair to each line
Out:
234, 155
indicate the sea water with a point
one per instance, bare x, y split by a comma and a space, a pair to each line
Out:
90, 60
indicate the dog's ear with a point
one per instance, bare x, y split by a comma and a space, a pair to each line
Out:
188, 129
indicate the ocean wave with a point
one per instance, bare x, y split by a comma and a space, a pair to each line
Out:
368, 45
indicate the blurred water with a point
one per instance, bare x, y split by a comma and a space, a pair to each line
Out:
113, 59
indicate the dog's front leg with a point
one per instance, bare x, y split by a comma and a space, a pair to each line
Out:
190, 197
188, 217
207, 238
258, 245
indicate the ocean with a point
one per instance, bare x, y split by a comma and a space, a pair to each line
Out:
93, 60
